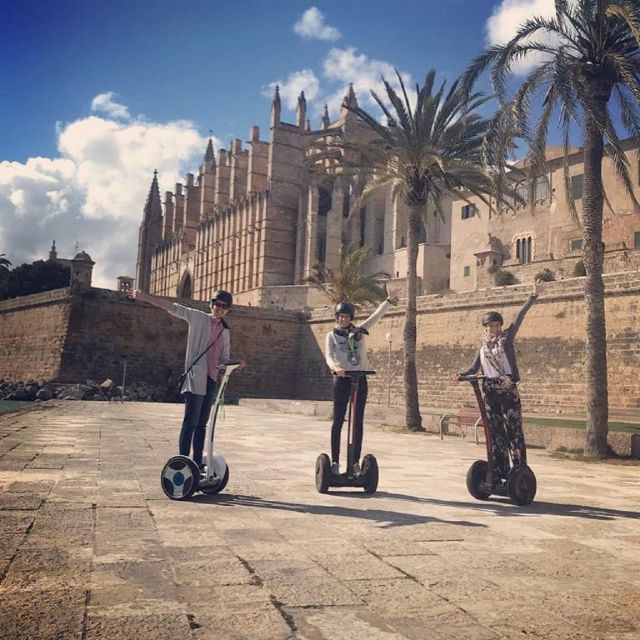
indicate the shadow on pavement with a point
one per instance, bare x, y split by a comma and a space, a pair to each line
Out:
503, 507
388, 519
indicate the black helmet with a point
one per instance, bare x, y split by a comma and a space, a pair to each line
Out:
492, 316
222, 296
345, 307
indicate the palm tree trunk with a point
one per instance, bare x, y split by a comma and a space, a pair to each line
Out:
593, 257
412, 406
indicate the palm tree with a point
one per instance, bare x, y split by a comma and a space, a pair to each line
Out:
349, 283
4, 275
429, 148
590, 55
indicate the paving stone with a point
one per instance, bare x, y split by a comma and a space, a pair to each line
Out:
271, 558
125, 627
55, 614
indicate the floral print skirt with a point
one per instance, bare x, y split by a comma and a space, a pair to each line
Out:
502, 402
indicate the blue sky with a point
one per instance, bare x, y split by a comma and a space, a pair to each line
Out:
96, 94
203, 61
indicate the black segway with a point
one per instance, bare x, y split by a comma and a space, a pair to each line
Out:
368, 478
482, 480
181, 477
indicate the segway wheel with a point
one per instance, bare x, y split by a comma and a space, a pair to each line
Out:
217, 488
179, 478
477, 480
323, 473
370, 473
521, 485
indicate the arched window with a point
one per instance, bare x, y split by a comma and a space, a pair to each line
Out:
524, 249
185, 287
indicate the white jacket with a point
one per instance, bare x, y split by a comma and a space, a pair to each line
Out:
337, 353
198, 340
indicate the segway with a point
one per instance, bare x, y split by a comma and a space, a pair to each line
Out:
368, 478
482, 480
181, 477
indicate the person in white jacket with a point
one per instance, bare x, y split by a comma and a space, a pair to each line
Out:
345, 350
208, 346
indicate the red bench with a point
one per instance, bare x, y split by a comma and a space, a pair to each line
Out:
465, 417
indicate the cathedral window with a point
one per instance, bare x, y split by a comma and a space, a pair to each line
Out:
524, 249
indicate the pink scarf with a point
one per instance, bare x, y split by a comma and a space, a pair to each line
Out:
213, 355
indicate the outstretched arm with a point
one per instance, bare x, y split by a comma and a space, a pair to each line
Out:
161, 303
533, 296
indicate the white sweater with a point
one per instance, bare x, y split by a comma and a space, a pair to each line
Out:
197, 341
337, 352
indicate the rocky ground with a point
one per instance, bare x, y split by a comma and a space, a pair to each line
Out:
33, 390
92, 549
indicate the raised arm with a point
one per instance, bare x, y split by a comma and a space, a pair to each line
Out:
391, 300
533, 296
161, 303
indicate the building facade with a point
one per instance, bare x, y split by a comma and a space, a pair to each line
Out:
255, 221
526, 239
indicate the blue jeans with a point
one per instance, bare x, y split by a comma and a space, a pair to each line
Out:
196, 416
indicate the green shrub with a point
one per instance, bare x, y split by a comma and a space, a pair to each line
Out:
579, 270
504, 278
546, 275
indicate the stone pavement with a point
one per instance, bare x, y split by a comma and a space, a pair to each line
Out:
91, 548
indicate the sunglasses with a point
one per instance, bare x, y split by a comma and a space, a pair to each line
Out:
220, 305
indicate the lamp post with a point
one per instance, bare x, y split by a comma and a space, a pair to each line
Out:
124, 374
390, 336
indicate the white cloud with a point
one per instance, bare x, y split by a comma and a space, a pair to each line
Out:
340, 67
311, 24
94, 191
509, 16
303, 80
347, 65
105, 103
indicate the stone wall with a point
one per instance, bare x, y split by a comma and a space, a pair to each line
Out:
615, 261
85, 336
72, 338
32, 335
550, 347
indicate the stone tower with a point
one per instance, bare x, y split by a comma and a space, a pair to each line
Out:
81, 270
150, 234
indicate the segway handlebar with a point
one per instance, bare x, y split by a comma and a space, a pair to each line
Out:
358, 372
472, 378
234, 363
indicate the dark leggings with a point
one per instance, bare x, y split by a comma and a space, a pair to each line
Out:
505, 423
194, 426
341, 391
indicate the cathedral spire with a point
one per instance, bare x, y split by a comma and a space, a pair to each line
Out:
325, 117
209, 163
301, 111
276, 107
153, 205
350, 101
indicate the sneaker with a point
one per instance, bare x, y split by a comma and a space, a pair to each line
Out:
335, 469
356, 469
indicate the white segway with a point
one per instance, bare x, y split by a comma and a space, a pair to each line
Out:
181, 477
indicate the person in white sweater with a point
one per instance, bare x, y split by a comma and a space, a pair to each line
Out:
208, 346
345, 350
